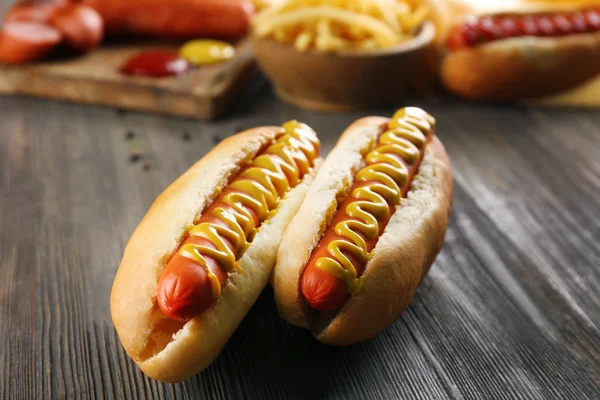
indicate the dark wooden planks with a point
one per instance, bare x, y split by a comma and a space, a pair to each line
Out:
509, 310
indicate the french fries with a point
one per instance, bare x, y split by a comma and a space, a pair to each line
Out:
337, 25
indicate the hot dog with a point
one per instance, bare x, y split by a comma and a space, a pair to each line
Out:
325, 291
177, 19
186, 291
368, 230
206, 248
22, 42
521, 50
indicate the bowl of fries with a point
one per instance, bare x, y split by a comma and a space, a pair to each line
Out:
338, 55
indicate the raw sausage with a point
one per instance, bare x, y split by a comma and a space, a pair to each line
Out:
31, 10
177, 19
81, 26
22, 42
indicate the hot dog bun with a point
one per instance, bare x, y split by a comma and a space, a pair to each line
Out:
519, 67
585, 95
169, 350
401, 257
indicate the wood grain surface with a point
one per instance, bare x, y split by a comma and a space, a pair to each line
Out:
509, 310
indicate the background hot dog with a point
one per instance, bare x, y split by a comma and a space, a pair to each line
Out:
518, 50
324, 291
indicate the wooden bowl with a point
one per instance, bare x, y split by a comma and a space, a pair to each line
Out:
342, 81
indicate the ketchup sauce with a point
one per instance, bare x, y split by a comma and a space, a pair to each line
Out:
475, 31
155, 63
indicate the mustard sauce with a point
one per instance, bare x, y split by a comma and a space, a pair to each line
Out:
205, 51
405, 137
259, 187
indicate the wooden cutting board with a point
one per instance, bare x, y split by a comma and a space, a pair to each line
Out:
204, 92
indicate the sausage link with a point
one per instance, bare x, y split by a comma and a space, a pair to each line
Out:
177, 19
81, 26
186, 288
334, 269
193, 278
476, 31
23, 42
33, 10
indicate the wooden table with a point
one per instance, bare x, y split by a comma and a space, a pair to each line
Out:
509, 310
